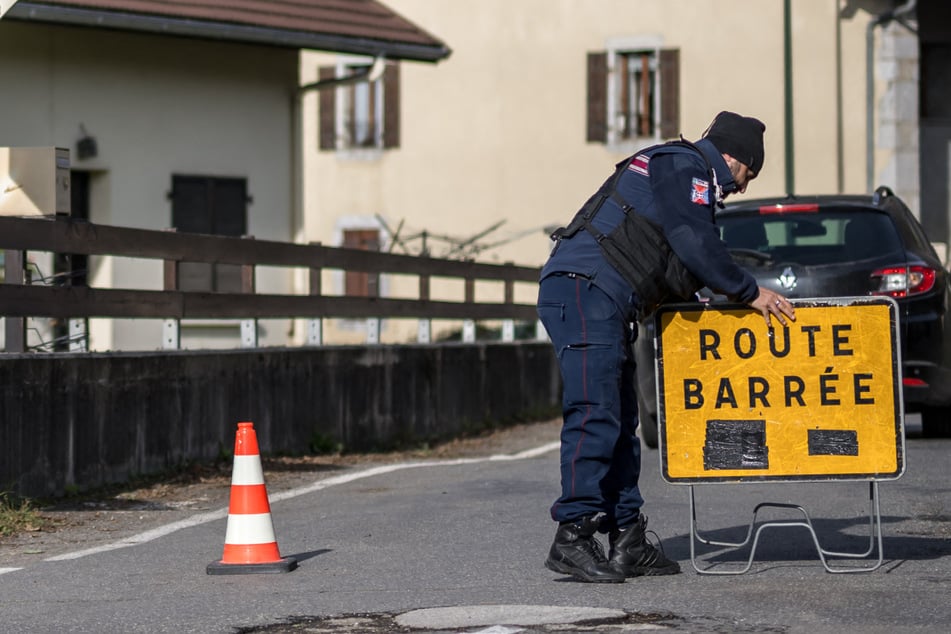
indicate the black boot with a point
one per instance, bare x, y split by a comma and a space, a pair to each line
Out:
577, 552
632, 555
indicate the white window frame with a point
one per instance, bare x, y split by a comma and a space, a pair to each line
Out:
345, 66
615, 47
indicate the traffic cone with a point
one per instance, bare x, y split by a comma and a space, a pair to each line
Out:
250, 546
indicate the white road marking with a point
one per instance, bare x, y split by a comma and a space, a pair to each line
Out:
211, 516
6, 570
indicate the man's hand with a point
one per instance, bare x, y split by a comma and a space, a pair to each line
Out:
772, 303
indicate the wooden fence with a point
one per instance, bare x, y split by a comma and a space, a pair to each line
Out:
21, 298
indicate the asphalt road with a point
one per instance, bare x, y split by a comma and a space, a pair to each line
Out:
458, 546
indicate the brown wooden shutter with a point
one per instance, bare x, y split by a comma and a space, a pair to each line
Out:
670, 93
391, 105
328, 129
358, 283
598, 97
216, 206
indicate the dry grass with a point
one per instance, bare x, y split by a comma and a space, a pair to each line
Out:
19, 516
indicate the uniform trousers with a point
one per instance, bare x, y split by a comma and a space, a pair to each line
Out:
600, 451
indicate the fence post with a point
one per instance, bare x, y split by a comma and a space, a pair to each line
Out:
424, 332
249, 327
373, 330
315, 334
468, 325
78, 335
171, 327
14, 265
508, 325
373, 323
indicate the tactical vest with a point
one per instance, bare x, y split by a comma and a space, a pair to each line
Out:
637, 247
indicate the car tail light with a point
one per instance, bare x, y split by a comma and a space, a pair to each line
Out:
913, 382
787, 209
903, 281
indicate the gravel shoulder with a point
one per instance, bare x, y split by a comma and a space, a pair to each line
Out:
111, 515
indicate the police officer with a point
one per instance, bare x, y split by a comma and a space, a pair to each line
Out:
646, 237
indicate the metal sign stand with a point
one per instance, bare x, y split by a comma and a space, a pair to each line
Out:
874, 542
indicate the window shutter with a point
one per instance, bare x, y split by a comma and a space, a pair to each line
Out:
216, 206
229, 199
328, 130
598, 97
670, 93
192, 213
359, 283
391, 105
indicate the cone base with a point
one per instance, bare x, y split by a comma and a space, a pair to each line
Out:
285, 564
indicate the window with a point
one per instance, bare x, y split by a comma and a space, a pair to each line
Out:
218, 206
362, 103
359, 283
360, 115
633, 95
809, 239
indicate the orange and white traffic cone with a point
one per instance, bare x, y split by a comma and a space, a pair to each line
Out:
250, 546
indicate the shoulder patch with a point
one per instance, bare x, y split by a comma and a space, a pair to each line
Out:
700, 191
639, 165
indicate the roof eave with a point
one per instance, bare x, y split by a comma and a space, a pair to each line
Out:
39, 12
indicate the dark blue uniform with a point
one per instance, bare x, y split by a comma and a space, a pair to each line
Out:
588, 309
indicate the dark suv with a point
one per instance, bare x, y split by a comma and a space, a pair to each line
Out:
840, 246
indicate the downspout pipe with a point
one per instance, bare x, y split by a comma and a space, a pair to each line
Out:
882, 20
788, 99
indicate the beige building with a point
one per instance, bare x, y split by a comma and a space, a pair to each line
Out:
509, 135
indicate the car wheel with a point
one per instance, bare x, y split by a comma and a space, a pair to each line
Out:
936, 422
648, 424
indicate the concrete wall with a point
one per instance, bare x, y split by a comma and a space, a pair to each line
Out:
73, 421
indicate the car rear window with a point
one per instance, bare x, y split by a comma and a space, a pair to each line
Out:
827, 237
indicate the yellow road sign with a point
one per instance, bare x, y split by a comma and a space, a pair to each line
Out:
819, 399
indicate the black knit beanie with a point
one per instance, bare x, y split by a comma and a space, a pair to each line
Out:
740, 137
